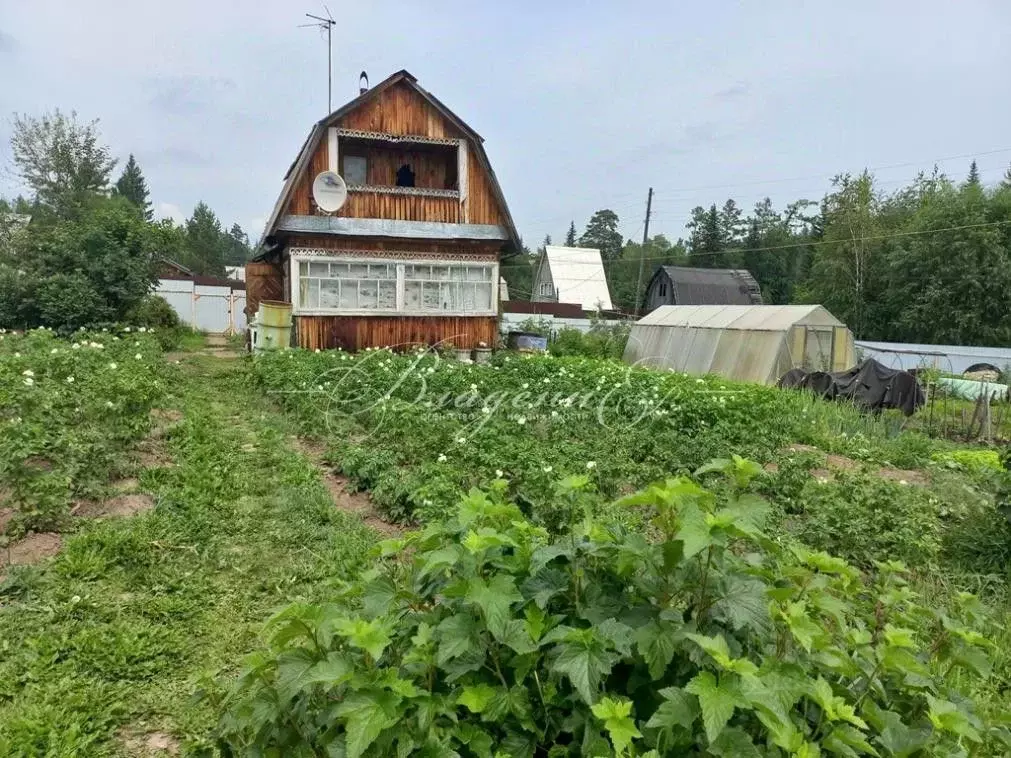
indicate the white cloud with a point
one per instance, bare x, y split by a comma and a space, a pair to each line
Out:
170, 210
255, 228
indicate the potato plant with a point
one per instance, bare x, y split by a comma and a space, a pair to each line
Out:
485, 636
68, 409
419, 431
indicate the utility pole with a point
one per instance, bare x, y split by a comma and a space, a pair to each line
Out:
642, 257
326, 24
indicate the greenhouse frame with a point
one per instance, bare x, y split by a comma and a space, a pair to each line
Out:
750, 343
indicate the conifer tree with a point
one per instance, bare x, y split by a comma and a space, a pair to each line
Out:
133, 187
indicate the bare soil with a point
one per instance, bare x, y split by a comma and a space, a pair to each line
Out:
836, 463
121, 505
358, 503
148, 745
31, 549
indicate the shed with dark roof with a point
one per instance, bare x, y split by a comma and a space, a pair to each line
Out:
683, 285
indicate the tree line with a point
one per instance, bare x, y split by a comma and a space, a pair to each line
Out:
80, 248
930, 262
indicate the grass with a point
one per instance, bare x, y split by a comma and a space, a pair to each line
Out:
116, 634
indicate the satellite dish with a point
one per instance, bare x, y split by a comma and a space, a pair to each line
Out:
329, 191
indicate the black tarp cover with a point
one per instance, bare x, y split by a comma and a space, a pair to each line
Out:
869, 385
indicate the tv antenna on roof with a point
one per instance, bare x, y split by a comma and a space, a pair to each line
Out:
326, 24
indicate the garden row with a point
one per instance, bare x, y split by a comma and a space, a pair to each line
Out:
69, 408
419, 431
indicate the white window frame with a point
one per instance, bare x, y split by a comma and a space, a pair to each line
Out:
297, 257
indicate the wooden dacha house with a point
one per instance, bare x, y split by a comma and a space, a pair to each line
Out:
389, 228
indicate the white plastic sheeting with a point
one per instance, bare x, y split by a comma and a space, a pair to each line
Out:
755, 343
954, 359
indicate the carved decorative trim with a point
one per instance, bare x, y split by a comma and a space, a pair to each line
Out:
318, 252
416, 139
417, 191
382, 227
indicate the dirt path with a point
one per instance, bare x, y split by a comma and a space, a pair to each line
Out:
344, 499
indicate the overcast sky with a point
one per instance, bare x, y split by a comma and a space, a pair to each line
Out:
582, 105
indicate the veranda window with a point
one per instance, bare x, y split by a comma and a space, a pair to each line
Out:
363, 286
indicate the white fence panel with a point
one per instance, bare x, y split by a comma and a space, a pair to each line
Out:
209, 308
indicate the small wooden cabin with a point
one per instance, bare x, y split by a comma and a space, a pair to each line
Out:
684, 285
412, 257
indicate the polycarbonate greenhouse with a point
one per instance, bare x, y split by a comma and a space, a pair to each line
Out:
751, 343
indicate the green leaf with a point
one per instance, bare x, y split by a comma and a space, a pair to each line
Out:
542, 556
896, 737
616, 715
734, 743
439, 560
584, 665
717, 700
457, 635
377, 597
371, 636
948, 717
545, 585
845, 740
677, 709
617, 633
294, 671
367, 715
477, 697
716, 647
694, 532
334, 670
494, 599
803, 628
656, 642
536, 621
515, 636
743, 604
486, 538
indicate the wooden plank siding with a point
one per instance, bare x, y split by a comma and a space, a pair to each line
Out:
400, 332
400, 110
264, 281
301, 203
482, 207
401, 207
487, 251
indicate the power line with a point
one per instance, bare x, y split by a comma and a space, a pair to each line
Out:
794, 245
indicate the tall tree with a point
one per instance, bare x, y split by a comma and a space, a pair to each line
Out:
237, 243
973, 178
706, 240
132, 185
62, 161
518, 271
731, 224
205, 241
570, 236
602, 233
842, 271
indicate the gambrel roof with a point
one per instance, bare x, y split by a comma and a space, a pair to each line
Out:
712, 286
301, 162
